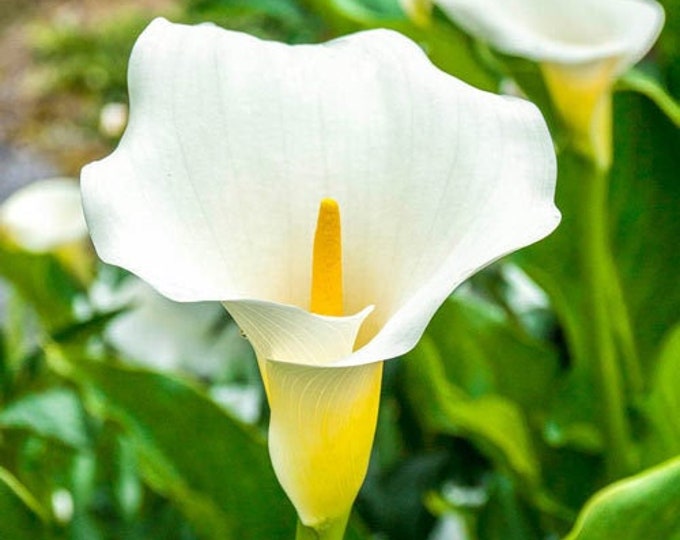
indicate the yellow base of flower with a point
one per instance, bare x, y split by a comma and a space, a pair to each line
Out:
581, 95
320, 434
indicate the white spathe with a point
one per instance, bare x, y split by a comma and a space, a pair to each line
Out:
563, 32
232, 142
45, 215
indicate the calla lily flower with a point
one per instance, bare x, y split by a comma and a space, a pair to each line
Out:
161, 334
44, 216
168, 336
582, 47
330, 197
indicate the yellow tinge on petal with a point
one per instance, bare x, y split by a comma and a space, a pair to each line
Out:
581, 95
320, 435
323, 418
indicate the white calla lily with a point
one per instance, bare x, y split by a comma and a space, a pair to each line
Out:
214, 190
44, 215
581, 45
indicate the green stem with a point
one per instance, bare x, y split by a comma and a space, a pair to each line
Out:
332, 530
598, 267
305, 533
600, 154
623, 331
637, 81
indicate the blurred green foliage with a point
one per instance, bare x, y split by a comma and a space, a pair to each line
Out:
91, 60
87, 61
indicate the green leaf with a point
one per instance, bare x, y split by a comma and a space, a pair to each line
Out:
505, 515
79, 331
284, 9
447, 46
369, 12
484, 353
21, 516
667, 48
452, 51
559, 266
215, 468
554, 262
55, 414
644, 198
494, 424
664, 403
281, 20
571, 413
638, 81
43, 283
643, 506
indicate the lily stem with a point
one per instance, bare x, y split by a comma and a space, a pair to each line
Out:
334, 530
600, 155
602, 287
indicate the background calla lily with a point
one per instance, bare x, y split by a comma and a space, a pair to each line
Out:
160, 334
214, 190
47, 216
168, 336
582, 47
44, 215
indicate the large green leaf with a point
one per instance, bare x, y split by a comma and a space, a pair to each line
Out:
663, 405
216, 469
494, 424
56, 414
505, 515
645, 193
644, 506
21, 517
484, 353
43, 283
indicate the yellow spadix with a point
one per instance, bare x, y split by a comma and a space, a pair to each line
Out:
326, 297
